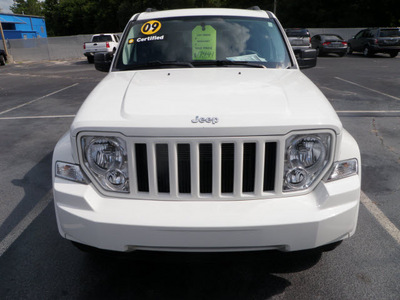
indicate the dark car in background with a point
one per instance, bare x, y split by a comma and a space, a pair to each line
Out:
3, 57
299, 38
376, 40
329, 43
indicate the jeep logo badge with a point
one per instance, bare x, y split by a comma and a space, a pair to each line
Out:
212, 120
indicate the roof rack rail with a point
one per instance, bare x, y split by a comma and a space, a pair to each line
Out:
149, 9
255, 8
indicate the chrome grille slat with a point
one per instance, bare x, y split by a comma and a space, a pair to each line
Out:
238, 178
195, 169
259, 176
173, 169
208, 169
216, 183
151, 161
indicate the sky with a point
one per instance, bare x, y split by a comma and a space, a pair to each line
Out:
5, 5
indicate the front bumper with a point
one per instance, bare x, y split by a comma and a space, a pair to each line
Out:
327, 214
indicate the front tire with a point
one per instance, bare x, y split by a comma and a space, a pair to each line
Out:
367, 52
2, 60
349, 49
393, 54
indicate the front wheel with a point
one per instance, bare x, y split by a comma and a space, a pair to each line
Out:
367, 52
349, 50
2, 60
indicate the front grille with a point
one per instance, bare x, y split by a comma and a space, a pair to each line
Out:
203, 169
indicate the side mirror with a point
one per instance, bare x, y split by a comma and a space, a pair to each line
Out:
306, 58
102, 61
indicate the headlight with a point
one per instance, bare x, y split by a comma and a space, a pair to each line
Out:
306, 157
106, 159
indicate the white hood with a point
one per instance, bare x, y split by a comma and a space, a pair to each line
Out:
245, 101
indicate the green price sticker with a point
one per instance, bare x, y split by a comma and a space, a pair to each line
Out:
204, 43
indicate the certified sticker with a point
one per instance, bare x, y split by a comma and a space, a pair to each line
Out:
151, 27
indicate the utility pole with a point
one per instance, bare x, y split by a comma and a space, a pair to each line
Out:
9, 57
275, 3
3, 39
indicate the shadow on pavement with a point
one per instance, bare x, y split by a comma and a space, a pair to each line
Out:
158, 275
36, 184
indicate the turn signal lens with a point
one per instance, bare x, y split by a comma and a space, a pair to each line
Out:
70, 172
343, 169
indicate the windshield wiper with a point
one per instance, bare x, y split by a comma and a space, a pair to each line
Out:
222, 63
157, 63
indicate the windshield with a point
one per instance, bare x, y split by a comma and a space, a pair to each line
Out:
297, 33
102, 38
203, 41
389, 32
332, 37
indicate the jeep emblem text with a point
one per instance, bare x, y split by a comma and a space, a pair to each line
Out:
212, 120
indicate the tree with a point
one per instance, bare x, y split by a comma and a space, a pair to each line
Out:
27, 7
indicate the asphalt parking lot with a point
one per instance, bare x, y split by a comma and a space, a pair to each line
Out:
37, 105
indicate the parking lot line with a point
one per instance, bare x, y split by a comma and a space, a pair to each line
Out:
367, 88
25, 222
368, 113
381, 217
37, 99
37, 117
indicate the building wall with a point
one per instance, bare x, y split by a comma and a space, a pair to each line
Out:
23, 26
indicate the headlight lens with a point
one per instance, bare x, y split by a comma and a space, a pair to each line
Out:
306, 157
106, 159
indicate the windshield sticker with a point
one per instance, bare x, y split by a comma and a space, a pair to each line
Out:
204, 43
150, 38
150, 27
131, 41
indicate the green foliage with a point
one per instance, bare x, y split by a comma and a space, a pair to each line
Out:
27, 7
70, 17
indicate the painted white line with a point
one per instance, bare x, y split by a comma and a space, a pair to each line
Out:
25, 222
381, 218
37, 117
369, 111
367, 88
37, 99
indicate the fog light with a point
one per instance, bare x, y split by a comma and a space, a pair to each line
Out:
296, 178
116, 177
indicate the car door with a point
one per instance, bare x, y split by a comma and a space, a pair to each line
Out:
357, 41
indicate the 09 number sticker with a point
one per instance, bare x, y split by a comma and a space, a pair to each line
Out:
150, 27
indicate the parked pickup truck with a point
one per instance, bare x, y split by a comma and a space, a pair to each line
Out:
104, 42
206, 136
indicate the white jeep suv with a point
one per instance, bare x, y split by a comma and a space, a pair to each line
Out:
206, 136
